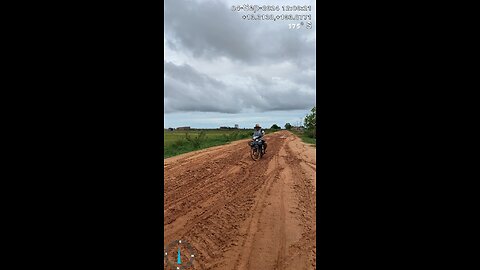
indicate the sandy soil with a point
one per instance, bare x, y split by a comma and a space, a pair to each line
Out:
243, 214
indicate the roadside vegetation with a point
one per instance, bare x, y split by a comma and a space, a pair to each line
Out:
308, 132
305, 137
180, 141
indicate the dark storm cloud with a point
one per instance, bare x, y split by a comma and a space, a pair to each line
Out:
217, 62
206, 29
210, 30
186, 89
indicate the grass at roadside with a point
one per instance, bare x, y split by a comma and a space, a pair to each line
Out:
179, 142
305, 138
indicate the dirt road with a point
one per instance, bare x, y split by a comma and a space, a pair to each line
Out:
242, 214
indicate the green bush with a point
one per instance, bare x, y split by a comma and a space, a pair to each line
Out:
310, 133
179, 143
233, 136
196, 141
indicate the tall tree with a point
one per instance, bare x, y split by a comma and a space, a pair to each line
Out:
275, 126
311, 122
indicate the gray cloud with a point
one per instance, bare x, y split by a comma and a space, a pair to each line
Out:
206, 29
217, 62
210, 30
186, 89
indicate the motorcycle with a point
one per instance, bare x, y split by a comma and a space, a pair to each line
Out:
256, 148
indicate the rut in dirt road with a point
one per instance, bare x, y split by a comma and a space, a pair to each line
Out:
243, 214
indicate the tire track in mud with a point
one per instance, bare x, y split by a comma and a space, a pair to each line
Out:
196, 176
239, 190
243, 259
305, 192
238, 213
193, 192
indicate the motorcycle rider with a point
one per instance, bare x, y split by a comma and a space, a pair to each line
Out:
260, 133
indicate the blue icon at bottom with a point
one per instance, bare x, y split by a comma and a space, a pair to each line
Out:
183, 248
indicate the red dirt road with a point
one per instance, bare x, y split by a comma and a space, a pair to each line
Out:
242, 214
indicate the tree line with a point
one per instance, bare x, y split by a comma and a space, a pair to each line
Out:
310, 124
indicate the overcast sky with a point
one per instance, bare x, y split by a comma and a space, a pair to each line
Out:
222, 70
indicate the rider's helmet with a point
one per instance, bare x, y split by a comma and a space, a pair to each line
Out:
257, 127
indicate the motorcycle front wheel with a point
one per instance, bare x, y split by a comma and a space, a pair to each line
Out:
255, 153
